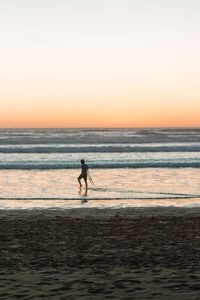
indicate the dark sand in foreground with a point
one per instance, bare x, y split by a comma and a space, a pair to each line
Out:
100, 254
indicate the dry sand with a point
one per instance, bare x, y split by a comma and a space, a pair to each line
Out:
100, 254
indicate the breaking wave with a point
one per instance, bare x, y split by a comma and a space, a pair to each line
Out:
99, 165
102, 148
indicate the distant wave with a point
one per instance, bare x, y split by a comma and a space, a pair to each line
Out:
191, 147
99, 165
98, 136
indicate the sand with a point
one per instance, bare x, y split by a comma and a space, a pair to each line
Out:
129, 253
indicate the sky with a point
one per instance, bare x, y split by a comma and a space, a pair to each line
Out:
91, 63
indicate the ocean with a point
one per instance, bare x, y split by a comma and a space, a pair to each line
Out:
140, 167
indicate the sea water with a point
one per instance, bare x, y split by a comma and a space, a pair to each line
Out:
140, 167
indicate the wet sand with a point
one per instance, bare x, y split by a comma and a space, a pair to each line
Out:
86, 253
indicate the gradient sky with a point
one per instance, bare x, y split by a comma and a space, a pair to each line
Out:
85, 63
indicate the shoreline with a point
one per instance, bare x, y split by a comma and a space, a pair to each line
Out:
91, 204
83, 211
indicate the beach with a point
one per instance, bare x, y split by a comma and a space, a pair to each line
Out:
134, 234
91, 253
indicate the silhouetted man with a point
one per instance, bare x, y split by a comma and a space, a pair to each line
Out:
83, 175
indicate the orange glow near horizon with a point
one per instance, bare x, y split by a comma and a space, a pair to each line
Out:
135, 108
34, 121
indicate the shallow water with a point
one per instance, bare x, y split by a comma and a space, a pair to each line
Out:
113, 188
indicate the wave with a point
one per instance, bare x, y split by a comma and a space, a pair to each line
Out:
127, 148
99, 165
98, 135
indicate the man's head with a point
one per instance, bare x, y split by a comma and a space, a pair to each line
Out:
82, 161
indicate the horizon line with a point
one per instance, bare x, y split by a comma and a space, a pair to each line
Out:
107, 127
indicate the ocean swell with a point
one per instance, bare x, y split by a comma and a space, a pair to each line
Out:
103, 148
99, 165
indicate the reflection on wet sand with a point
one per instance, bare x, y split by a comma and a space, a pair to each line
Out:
115, 187
52, 204
83, 193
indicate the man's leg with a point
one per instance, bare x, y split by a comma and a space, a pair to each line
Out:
85, 179
79, 180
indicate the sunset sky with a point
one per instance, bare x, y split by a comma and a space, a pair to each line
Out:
99, 63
